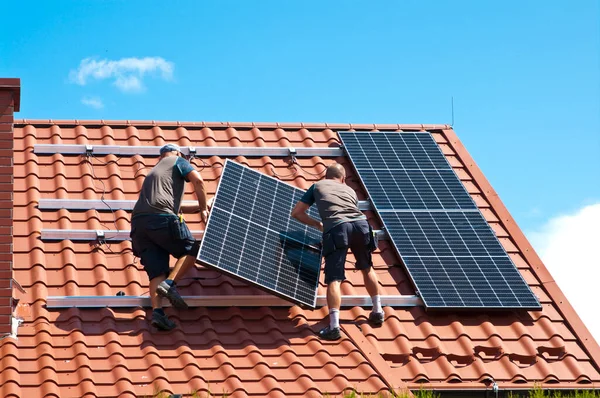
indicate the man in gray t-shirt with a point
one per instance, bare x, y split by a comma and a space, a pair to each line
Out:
344, 226
157, 230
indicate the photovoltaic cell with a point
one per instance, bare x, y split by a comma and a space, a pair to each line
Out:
251, 236
452, 255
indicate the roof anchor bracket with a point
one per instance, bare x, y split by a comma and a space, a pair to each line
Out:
293, 153
100, 236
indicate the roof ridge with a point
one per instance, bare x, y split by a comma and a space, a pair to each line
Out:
225, 125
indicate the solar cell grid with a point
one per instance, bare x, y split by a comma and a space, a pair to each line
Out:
251, 236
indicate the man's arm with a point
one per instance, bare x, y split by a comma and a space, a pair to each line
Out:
299, 213
199, 188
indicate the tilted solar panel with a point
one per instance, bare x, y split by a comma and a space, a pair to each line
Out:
251, 236
452, 255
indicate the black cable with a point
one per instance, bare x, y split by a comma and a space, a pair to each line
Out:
138, 170
319, 175
284, 176
103, 200
109, 162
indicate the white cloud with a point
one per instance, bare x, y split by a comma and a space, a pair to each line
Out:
569, 246
92, 102
127, 74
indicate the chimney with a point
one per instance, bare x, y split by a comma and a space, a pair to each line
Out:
10, 101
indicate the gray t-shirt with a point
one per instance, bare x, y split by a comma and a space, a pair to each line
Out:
163, 187
337, 203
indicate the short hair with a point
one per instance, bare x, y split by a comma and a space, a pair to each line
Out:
335, 170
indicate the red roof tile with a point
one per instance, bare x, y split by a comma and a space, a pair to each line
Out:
252, 351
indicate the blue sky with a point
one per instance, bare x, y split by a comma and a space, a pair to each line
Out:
525, 76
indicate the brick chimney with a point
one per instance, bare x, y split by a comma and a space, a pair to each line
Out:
10, 101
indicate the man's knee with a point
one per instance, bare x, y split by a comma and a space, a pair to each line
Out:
334, 284
186, 248
194, 249
367, 271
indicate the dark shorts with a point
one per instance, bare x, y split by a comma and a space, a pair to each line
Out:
354, 235
155, 237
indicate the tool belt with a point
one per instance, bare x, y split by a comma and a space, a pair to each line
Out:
373, 241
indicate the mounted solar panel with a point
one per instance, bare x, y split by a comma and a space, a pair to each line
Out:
251, 236
450, 252
405, 172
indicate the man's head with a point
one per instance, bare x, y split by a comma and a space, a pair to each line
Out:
336, 172
170, 150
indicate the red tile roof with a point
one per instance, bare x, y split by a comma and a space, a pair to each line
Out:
252, 351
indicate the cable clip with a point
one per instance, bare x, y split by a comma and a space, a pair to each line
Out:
293, 153
89, 150
100, 236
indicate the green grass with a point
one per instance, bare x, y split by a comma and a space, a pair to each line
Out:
537, 392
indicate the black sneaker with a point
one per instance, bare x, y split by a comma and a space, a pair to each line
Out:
329, 333
168, 290
376, 318
162, 321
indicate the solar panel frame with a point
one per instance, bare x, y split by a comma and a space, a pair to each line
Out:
387, 209
299, 245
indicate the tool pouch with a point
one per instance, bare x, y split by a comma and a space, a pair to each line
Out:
179, 230
373, 240
328, 245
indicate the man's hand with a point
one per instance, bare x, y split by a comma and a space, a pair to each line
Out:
204, 215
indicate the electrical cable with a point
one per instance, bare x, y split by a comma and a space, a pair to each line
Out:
318, 175
284, 176
103, 200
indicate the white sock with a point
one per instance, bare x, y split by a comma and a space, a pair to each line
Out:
377, 304
334, 318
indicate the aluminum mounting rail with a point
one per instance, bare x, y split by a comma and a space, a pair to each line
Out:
220, 301
204, 151
109, 204
90, 235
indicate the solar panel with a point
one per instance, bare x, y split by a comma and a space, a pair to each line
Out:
406, 172
251, 236
450, 252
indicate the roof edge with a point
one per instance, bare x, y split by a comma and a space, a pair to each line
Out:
297, 125
538, 268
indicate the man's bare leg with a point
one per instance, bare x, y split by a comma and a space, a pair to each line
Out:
371, 281
372, 285
182, 266
334, 301
334, 297
154, 297
166, 287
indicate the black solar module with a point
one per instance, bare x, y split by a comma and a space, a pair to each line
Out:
251, 236
452, 255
